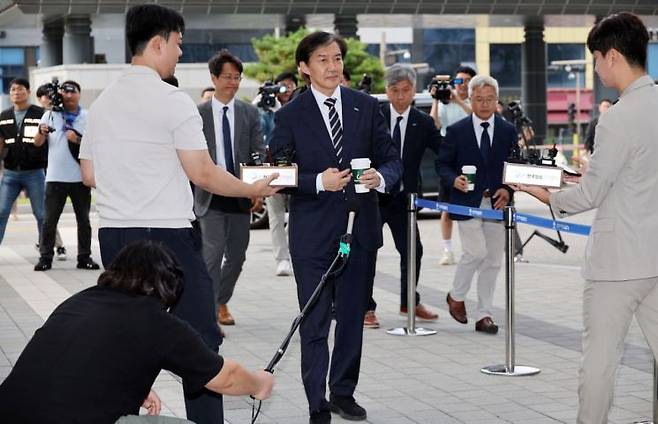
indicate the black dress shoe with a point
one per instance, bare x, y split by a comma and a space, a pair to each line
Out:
347, 408
486, 325
87, 264
43, 265
320, 417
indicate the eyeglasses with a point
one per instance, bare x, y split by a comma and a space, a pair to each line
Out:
485, 99
227, 77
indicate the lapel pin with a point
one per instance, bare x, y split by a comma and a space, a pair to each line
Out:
356, 109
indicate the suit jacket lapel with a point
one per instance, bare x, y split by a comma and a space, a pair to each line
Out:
313, 118
350, 119
496, 145
411, 134
239, 117
209, 129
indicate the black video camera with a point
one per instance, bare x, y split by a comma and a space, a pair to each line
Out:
268, 92
443, 85
365, 85
54, 95
518, 116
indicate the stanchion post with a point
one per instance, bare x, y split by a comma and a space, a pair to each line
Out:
655, 391
411, 329
509, 368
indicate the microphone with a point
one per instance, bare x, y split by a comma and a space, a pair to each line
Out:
346, 239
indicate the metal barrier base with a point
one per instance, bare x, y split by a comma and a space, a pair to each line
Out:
643, 422
411, 332
518, 370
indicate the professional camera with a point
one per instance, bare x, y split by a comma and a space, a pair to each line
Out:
443, 85
518, 116
268, 92
55, 96
365, 85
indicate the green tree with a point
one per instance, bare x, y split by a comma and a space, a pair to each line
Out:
276, 55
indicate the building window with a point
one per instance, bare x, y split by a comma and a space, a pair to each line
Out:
446, 49
561, 78
12, 65
505, 64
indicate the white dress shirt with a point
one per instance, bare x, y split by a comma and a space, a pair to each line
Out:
217, 115
479, 129
403, 124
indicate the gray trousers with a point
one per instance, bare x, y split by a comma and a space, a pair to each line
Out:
483, 245
225, 239
276, 213
608, 309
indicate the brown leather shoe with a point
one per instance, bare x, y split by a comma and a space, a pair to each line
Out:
370, 320
224, 316
486, 325
457, 309
422, 313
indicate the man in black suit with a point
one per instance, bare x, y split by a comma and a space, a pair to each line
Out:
233, 133
327, 126
412, 131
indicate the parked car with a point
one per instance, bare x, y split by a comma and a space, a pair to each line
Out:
429, 180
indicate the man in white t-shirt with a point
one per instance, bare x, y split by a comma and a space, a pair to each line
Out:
144, 144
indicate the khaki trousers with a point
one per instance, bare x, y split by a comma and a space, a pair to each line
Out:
608, 309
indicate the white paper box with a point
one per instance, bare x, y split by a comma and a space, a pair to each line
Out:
287, 174
536, 175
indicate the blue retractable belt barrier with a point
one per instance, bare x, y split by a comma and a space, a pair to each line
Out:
566, 227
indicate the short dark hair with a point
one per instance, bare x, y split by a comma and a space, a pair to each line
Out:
284, 76
216, 63
73, 83
42, 90
312, 42
624, 32
147, 268
20, 81
207, 89
145, 21
465, 70
346, 75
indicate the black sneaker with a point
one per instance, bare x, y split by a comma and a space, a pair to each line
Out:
43, 265
61, 253
88, 264
347, 408
320, 417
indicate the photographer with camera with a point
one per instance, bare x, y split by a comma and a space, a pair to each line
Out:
62, 128
24, 162
277, 204
447, 109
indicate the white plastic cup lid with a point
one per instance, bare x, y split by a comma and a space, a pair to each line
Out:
469, 169
360, 163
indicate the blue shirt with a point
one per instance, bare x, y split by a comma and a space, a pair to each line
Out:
62, 167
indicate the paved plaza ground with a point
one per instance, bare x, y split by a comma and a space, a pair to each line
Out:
434, 379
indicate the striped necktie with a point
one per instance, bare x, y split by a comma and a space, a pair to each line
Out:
336, 129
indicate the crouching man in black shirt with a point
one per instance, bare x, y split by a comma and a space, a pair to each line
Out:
98, 354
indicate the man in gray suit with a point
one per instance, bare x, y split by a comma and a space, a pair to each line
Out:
233, 133
620, 268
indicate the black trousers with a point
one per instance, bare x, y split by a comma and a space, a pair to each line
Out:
350, 296
394, 213
196, 304
56, 194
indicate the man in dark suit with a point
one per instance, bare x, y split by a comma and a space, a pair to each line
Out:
327, 126
233, 134
412, 132
483, 140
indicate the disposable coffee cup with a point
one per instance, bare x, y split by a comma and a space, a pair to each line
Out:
469, 172
359, 165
